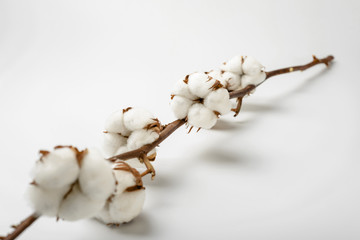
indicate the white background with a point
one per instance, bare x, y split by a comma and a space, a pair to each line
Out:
286, 168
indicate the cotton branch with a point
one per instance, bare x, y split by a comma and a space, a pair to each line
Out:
168, 129
171, 127
18, 229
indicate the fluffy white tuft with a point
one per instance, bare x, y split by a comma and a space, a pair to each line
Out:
96, 179
200, 116
141, 137
124, 180
251, 66
252, 79
231, 81
77, 205
180, 106
234, 65
182, 89
46, 201
218, 100
115, 123
137, 118
112, 142
56, 169
200, 84
126, 206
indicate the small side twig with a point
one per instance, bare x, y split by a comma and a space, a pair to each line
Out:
18, 229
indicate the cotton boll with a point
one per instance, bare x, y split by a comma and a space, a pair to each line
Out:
182, 89
137, 118
229, 80
96, 179
140, 138
112, 142
104, 215
180, 106
233, 65
77, 205
56, 169
232, 81
124, 179
218, 100
252, 79
115, 123
200, 116
46, 201
200, 84
251, 66
126, 206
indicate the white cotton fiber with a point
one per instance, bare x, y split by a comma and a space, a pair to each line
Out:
139, 138
56, 169
77, 206
233, 65
182, 89
103, 215
115, 123
218, 100
137, 118
251, 66
231, 81
200, 84
46, 201
96, 178
180, 106
112, 142
202, 117
124, 180
126, 206
252, 79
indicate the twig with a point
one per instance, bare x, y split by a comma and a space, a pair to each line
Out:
18, 229
168, 130
171, 127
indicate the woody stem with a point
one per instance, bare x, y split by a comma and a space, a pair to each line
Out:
18, 229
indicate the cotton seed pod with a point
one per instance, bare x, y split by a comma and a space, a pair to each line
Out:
46, 202
125, 176
251, 66
252, 79
96, 179
112, 142
180, 106
200, 84
128, 199
219, 101
76, 205
126, 206
115, 123
137, 118
57, 168
201, 117
181, 88
234, 65
229, 80
140, 138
